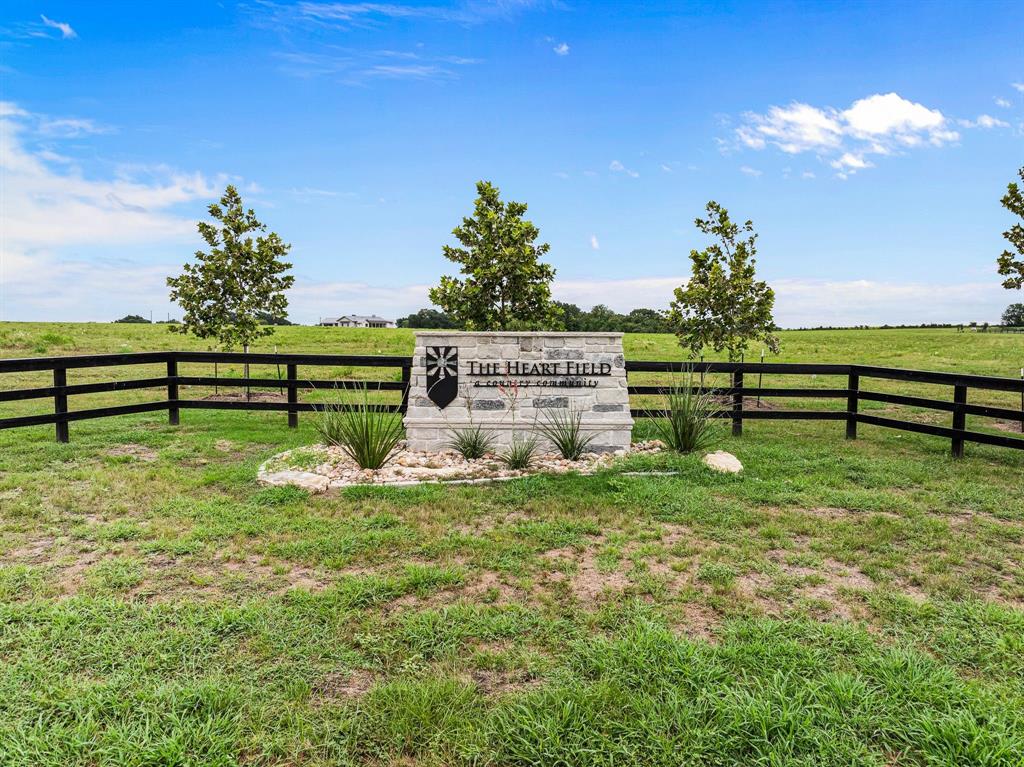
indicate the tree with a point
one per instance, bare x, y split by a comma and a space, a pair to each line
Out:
133, 319
427, 319
233, 289
646, 321
1014, 316
1011, 263
572, 316
722, 305
506, 286
601, 319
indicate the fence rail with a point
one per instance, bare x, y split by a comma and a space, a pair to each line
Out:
736, 395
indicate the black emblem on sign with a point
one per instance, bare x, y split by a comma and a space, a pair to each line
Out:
442, 374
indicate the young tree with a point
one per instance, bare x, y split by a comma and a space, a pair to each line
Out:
722, 305
1014, 316
506, 286
232, 290
1011, 263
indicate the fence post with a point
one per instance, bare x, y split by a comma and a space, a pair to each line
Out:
852, 403
959, 418
293, 395
173, 414
406, 378
737, 403
60, 402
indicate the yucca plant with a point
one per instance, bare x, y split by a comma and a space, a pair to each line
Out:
368, 434
471, 441
563, 430
521, 453
689, 425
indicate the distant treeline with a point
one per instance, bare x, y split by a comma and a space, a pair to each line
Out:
137, 319
599, 318
922, 326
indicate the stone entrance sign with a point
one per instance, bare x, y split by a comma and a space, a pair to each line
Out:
507, 381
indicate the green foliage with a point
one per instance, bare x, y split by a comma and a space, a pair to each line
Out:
1014, 315
506, 286
723, 306
133, 319
232, 289
689, 426
427, 319
600, 318
471, 441
367, 433
1011, 262
563, 429
521, 453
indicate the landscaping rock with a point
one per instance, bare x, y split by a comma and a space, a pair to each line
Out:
314, 483
723, 462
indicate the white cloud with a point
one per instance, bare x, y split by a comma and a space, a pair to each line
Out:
881, 124
66, 32
1019, 87
891, 115
746, 169
849, 162
985, 121
562, 49
807, 174
362, 67
1003, 103
52, 213
71, 127
793, 129
807, 302
310, 299
594, 244
617, 167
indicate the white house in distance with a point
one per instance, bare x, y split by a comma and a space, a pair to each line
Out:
356, 321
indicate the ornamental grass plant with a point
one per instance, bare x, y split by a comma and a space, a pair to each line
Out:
368, 433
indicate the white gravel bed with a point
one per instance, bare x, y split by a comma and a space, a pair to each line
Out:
319, 468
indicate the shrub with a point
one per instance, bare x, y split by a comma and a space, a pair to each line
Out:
472, 442
368, 434
689, 425
521, 453
562, 429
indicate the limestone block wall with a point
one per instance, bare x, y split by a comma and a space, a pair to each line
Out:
602, 400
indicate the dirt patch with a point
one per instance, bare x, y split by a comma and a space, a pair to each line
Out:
490, 587
836, 513
826, 585
492, 682
239, 396
33, 552
579, 569
253, 568
485, 523
696, 622
137, 452
1014, 427
342, 686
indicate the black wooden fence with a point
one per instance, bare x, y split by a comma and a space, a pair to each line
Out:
738, 393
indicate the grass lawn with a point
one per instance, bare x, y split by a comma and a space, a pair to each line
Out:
838, 603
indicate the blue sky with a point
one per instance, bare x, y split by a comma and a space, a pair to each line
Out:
869, 143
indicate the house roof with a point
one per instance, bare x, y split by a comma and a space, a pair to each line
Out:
356, 318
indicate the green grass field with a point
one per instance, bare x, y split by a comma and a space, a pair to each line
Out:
838, 603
